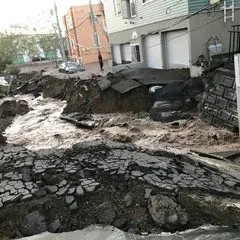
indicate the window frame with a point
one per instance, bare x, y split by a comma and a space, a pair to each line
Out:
147, 1
116, 7
93, 39
135, 5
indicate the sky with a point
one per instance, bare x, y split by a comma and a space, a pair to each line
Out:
34, 13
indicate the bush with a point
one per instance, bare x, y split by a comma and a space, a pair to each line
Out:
3, 64
12, 70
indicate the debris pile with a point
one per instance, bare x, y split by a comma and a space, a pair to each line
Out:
9, 108
123, 92
174, 101
136, 190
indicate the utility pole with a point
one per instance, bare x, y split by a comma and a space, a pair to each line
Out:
60, 34
237, 80
94, 25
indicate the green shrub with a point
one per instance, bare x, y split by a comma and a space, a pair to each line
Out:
12, 70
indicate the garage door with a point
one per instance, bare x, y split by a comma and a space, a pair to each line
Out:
127, 54
153, 51
116, 53
177, 49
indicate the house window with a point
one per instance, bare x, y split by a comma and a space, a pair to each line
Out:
104, 25
95, 40
128, 9
69, 22
118, 7
73, 45
132, 4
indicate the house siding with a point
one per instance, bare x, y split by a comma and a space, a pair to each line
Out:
200, 4
197, 5
150, 12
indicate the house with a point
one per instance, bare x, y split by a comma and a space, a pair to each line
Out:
36, 47
168, 34
82, 43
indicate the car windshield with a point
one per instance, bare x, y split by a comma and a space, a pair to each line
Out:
71, 64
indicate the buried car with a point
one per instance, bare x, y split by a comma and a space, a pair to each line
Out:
71, 67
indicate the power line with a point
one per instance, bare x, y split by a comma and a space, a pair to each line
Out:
192, 30
80, 24
179, 21
77, 44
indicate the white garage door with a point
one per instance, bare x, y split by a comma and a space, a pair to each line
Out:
127, 54
177, 49
153, 51
116, 53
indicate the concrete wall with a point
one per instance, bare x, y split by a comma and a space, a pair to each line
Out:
147, 13
201, 30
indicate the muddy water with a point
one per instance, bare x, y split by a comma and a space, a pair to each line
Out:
110, 233
42, 128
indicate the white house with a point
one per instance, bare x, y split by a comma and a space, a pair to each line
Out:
167, 34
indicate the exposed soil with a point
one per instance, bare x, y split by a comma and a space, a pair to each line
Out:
191, 133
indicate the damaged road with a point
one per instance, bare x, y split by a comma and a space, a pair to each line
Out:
59, 172
136, 190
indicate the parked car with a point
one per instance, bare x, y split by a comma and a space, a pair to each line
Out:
71, 67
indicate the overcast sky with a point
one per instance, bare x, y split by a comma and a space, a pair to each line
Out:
34, 13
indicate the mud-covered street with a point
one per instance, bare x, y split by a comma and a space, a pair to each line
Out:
119, 172
120, 120
42, 128
136, 190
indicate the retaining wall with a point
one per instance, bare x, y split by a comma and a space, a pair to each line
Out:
219, 105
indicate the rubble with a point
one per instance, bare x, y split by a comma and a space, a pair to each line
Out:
128, 90
4, 86
10, 107
109, 187
80, 120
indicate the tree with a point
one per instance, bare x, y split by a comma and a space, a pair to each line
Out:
49, 43
8, 48
16, 41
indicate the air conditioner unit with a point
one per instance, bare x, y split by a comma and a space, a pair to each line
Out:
211, 2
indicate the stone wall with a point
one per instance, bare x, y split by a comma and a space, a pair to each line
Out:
219, 105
